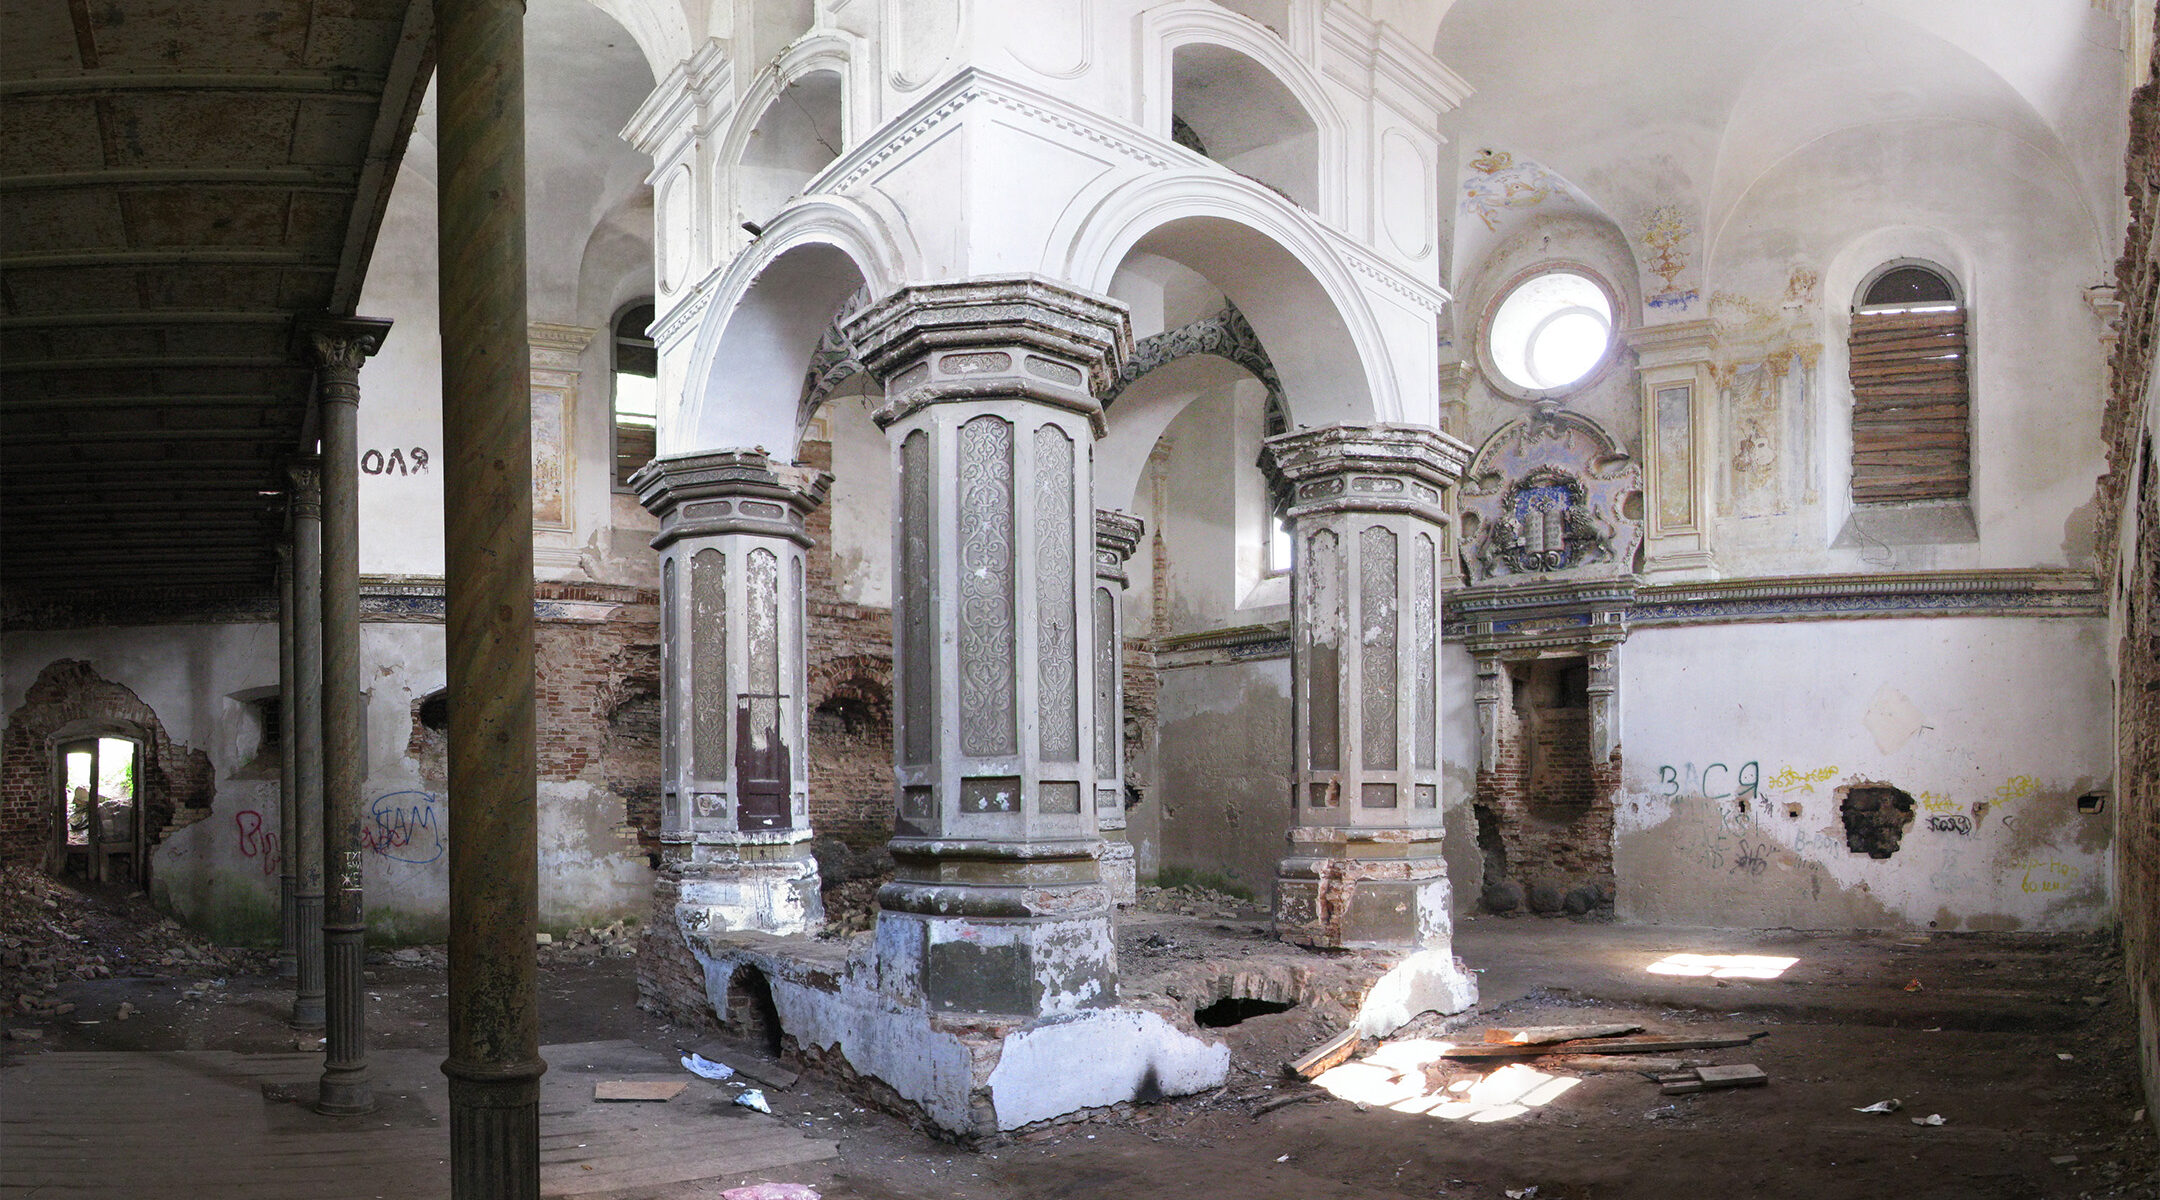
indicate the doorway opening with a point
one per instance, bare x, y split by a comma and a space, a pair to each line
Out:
99, 830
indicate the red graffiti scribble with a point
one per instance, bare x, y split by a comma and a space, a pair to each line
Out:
256, 842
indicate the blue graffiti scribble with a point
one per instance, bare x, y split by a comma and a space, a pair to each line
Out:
404, 827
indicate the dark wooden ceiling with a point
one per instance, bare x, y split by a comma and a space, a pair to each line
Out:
180, 182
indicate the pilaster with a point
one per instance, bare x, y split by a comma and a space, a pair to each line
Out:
991, 404
1117, 535
1678, 442
735, 816
1364, 504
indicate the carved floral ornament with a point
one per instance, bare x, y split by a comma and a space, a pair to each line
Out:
1551, 495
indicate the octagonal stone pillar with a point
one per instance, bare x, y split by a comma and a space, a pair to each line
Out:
992, 406
1364, 503
1117, 534
735, 792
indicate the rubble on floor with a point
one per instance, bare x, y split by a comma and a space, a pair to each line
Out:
54, 932
618, 939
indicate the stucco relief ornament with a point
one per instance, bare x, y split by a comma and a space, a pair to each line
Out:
1548, 496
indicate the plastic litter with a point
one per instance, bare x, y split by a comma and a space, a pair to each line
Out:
1883, 1106
1930, 1119
753, 1098
772, 1191
705, 1068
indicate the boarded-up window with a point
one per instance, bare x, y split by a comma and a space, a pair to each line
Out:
1911, 426
637, 397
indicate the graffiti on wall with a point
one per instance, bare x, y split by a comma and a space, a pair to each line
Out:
258, 843
404, 827
396, 462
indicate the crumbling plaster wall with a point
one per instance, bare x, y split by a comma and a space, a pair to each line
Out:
1740, 737
216, 868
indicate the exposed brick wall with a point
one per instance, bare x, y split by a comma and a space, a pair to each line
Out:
671, 984
2130, 492
851, 678
1549, 804
586, 674
177, 783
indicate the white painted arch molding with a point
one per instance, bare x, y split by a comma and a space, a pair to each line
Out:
1310, 307
660, 28
754, 340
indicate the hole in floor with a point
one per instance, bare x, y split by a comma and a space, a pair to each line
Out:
1231, 1010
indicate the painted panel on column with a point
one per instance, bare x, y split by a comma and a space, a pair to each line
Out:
1675, 457
762, 769
708, 665
671, 691
798, 665
1424, 588
1057, 666
917, 707
1323, 624
1376, 712
988, 723
1107, 652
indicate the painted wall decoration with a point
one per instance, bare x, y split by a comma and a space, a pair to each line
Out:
1766, 390
1670, 236
1497, 182
1549, 496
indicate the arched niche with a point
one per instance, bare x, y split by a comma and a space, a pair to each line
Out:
800, 131
1227, 106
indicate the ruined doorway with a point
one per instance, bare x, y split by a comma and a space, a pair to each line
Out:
1544, 807
98, 825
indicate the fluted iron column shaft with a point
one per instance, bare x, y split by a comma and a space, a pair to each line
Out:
340, 347
306, 735
494, 1064
288, 961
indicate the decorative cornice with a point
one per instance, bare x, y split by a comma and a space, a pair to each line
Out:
2041, 592
729, 491
1239, 643
1363, 468
1117, 535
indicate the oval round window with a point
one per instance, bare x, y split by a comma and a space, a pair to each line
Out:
1550, 331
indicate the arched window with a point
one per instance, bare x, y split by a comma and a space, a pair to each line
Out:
1911, 417
637, 394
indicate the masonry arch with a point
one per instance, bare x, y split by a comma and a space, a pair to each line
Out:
794, 120
1266, 258
750, 360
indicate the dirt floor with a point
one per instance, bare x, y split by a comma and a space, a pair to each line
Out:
2022, 1045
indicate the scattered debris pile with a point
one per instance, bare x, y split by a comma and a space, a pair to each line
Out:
618, 939
1193, 900
52, 931
849, 878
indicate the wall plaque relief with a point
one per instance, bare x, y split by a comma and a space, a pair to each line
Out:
1551, 496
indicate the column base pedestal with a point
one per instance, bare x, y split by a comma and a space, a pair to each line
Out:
1364, 890
1120, 873
765, 886
1022, 936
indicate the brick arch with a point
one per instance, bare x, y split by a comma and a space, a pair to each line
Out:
177, 783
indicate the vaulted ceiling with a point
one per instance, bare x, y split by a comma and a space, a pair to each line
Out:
183, 183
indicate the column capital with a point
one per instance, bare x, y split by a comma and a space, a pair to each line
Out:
1117, 535
306, 496
343, 343
1363, 468
999, 338
1678, 343
729, 491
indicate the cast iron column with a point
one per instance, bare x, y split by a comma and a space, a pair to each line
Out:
1364, 505
735, 724
341, 346
288, 962
991, 404
307, 738
494, 1064
1117, 534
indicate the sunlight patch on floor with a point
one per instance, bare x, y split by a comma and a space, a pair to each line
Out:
1722, 966
1393, 1077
